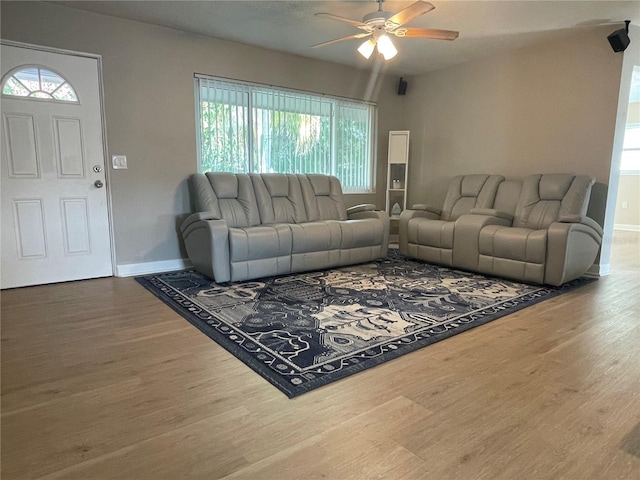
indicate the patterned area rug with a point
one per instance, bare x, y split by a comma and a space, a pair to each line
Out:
305, 330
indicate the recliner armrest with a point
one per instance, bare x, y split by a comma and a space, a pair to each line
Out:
378, 215
572, 246
196, 217
407, 215
492, 212
427, 208
363, 207
206, 239
584, 220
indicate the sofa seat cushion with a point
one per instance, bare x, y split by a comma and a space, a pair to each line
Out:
361, 233
264, 241
513, 252
432, 233
514, 243
315, 236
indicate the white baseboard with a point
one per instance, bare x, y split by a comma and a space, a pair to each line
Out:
599, 270
630, 228
133, 269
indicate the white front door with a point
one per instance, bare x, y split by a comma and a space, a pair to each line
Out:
55, 220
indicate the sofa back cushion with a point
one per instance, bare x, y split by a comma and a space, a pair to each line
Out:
229, 196
279, 198
323, 198
546, 198
467, 192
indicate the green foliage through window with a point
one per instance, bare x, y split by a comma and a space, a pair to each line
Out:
252, 128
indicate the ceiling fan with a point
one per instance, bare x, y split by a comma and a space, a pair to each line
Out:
380, 25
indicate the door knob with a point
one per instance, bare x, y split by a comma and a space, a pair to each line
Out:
98, 184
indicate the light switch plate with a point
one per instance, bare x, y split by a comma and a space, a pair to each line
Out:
119, 161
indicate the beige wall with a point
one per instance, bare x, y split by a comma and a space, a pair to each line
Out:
149, 104
541, 109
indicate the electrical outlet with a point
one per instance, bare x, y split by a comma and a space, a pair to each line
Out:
119, 161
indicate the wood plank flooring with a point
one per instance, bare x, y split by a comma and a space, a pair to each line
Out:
100, 380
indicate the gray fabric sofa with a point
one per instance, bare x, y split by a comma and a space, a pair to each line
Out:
535, 230
249, 226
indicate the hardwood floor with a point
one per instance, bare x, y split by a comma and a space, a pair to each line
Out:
100, 380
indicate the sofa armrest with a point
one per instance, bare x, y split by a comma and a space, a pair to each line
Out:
492, 212
584, 220
407, 215
403, 225
427, 208
572, 248
377, 214
382, 217
207, 243
363, 207
196, 217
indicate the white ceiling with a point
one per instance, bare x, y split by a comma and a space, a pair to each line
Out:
486, 27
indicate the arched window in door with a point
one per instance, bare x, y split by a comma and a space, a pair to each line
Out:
38, 83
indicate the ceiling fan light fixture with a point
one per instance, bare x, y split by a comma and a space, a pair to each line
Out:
386, 47
366, 49
381, 25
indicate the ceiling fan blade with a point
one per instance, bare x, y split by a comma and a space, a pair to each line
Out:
350, 37
331, 16
411, 12
428, 33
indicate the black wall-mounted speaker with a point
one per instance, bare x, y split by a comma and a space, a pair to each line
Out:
402, 87
619, 40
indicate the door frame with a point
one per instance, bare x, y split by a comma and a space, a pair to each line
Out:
105, 150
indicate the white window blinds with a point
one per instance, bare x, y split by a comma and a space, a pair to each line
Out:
253, 128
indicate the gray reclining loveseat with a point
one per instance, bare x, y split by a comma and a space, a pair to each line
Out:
257, 225
535, 231
432, 240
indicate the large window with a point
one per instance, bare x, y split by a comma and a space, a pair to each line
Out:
254, 128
